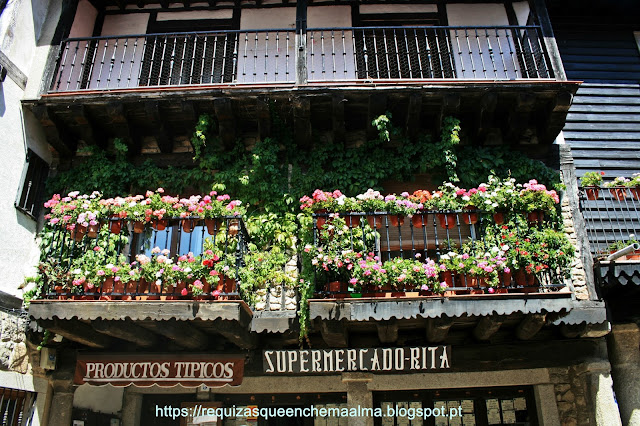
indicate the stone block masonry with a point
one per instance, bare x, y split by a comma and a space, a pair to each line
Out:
13, 348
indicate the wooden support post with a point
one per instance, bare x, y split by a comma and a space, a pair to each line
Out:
334, 334
337, 108
181, 333
126, 330
264, 118
485, 113
55, 132
77, 331
387, 331
450, 106
530, 326
487, 326
85, 128
226, 121
377, 107
302, 121
120, 126
414, 111
518, 119
158, 129
437, 329
556, 117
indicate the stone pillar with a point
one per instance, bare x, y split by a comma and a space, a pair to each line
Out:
358, 394
624, 354
131, 407
605, 409
61, 408
546, 404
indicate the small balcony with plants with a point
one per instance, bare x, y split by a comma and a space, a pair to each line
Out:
611, 211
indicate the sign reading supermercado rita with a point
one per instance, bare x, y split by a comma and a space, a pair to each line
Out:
318, 361
159, 369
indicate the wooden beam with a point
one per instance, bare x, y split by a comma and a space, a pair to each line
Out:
518, 119
164, 4
414, 111
530, 326
235, 333
181, 333
487, 326
13, 71
572, 331
377, 107
85, 128
337, 117
126, 330
77, 331
158, 129
334, 333
387, 331
55, 132
226, 121
302, 121
264, 118
437, 329
121, 127
212, 3
484, 115
556, 117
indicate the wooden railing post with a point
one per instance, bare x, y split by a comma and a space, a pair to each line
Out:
301, 42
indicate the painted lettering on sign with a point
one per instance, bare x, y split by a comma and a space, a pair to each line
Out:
317, 361
163, 370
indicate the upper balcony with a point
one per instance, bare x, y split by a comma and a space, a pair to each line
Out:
326, 79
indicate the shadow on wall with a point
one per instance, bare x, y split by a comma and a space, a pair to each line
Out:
3, 106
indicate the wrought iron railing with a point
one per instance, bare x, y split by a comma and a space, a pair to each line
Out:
612, 217
226, 237
332, 54
428, 235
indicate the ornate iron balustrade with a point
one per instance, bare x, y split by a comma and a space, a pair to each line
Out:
428, 235
245, 57
174, 237
612, 216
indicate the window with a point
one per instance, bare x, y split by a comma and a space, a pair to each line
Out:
33, 179
16, 406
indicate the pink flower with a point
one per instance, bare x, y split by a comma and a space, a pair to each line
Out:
100, 273
184, 292
353, 281
491, 290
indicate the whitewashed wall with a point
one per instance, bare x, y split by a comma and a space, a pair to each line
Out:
104, 399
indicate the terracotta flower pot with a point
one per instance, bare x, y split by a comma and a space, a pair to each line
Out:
115, 226
226, 285
592, 192
106, 289
418, 220
119, 289
188, 225
635, 192
338, 288
133, 287
505, 279
321, 220
447, 277
206, 291
87, 291
446, 220
633, 256
618, 193
351, 221
93, 230
176, 293
234, 227
159, 224
138, 227
213, 226
396, 220
498, 218
153, 290
374, 221
78, 232
524, 279
535, 216
468, 217
60, 290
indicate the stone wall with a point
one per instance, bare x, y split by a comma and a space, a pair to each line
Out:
271, 299
13, 347
578, 276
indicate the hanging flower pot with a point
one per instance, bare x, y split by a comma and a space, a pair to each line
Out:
618, 193
374, 221
635, 192
92, 230
351, 221
115, 226
159, 224
133, 287
446, 220
396, 220
321, 220
188, 225
524, 278
88, 288
153, 289
78, 232
206, 291
59, 291
592, 192
447, 277
106, 289
234, 227
213, 226
176, 293
469, 217
505, 279
535, 216
419, 220
138, 227
118, 289
498, 218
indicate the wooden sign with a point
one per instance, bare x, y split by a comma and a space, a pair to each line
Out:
159, 369
318, 361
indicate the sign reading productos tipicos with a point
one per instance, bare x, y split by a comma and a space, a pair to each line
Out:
319, 361
162, 370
